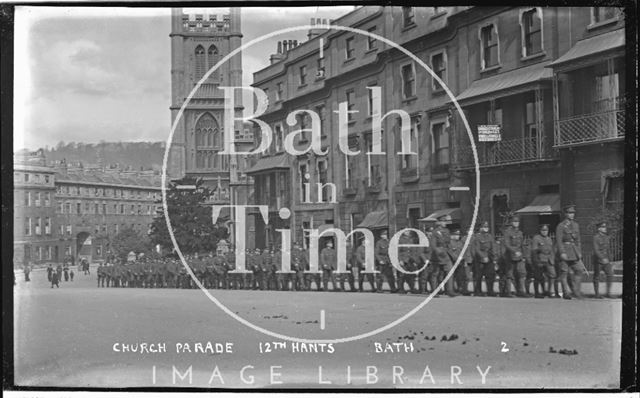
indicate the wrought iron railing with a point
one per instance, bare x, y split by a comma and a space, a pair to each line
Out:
594, 127
504, 152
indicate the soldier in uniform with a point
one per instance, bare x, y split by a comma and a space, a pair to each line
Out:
278, 278
542, 258
55, 279
440, 254
298, 265
513, 240
313, 277
422, 258
108, 273
220, 270
170, 273
404, 258
264, 262
383, 263
348, 274
100, 275
570, 252
235, 280
328, 262
360, 265
250, 265
482, 253
602, 260
462, 275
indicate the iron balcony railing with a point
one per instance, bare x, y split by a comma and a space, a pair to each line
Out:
595, 127
521, 150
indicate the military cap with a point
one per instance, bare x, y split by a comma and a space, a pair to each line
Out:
570, 208
514, 217
601, 224
444, 217
484, 224
455, 232
544, 226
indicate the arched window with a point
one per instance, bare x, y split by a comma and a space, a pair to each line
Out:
200, 62
216, 160
212, 58
205, 126
216, 138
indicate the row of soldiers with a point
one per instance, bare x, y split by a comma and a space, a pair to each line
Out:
509, 261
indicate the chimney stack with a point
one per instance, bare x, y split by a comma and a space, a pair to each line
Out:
279, 54
317, 31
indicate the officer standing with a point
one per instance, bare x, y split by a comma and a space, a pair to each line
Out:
384, 265
440, 256
328, 260
542, 258
602, 259
482, 253
570, 252
514, 259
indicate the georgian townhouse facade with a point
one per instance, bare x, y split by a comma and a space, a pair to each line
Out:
520, 69
68, 210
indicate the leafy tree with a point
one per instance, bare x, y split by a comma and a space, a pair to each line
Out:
190, 219
129, 240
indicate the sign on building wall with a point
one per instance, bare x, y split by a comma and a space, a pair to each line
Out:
489, 133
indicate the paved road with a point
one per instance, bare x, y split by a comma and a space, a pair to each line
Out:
66, 337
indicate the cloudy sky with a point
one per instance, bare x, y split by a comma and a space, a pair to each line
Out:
91, 74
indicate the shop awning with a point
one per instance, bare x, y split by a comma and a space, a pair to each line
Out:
591, 46
542, 204
374, 220
270, 163
453, 212
511, 82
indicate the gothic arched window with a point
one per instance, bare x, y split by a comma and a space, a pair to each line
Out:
205, 128
216, 138
212, 58
200, 62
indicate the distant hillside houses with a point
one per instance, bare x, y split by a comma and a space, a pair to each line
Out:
123, 155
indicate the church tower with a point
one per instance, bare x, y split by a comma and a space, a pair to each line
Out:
198, 42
